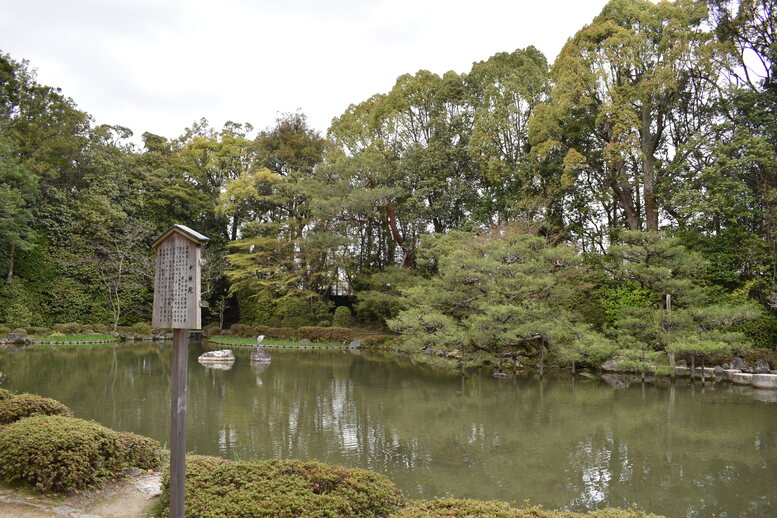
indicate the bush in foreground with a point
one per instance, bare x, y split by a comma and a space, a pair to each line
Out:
139, 451
18, 407
219, 488
452, 508
5, 394
57, 453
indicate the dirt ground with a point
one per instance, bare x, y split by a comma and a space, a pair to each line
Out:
131, 497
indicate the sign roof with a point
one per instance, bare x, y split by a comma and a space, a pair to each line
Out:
191, 235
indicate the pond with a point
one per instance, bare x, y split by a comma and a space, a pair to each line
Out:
677, 450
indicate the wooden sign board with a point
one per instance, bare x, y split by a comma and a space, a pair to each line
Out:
177, 280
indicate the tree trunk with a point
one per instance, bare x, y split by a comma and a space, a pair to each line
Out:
11, 254
622, 189
407, 259
649, 171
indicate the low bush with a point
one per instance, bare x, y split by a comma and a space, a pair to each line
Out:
378, 340
139, 451
452, 508
57, 453
325, 334
20, 330
5, 394
101, 328
4, 330
218, 488
25, 405
39, 331
342, 317
142, 329
71, 328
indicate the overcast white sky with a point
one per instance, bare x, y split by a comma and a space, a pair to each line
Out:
159, 65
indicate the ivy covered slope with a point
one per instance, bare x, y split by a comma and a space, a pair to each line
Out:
641, 163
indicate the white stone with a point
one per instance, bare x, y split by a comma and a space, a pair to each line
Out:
765, 381
742, 378
220, 356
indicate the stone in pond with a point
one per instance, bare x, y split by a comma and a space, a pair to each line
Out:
762, 367
259, 355
220, 356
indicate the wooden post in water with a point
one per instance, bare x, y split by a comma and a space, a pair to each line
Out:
177, 307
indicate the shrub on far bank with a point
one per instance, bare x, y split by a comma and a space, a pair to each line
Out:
5, 394
453, 508
325, 334
314, 334
58, 453
217, 488
18, 407
70, 328
342, 317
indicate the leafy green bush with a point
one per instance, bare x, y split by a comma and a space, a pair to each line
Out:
26, 405
101, 328
71, 328
342, 317
142, 329
452, 508
325, 334
761, 331
20, 330
39, 331
378, 340
5, 394
4, 330
58, 453
218, 488
139, 451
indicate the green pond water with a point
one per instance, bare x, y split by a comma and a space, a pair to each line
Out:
679, 450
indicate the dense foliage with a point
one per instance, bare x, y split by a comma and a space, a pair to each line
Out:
16, 407
640, 166
57, 453
217, 488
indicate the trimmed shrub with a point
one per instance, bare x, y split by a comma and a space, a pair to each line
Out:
101, 328
378, 340
5, 394
39, 331
218, 488
139, 451
325, 334
20, 330
58, 453
25, 405
453, 508
342, 317
71, 328
4, 330
142, 329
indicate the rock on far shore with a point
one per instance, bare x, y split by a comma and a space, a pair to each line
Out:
220, 356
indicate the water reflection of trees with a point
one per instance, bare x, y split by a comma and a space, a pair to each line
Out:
555, 441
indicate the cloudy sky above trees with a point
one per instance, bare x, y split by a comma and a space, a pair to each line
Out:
158, 65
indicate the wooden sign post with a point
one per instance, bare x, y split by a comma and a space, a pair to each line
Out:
177, 307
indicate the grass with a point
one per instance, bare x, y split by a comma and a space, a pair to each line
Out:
238, 340
93, 337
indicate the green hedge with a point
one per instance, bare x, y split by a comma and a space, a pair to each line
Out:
314, 334
25, 405
5, 394
71, 328
216, 488
57, 453
139, 451
452, 508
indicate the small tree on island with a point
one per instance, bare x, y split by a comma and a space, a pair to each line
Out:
689, 321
